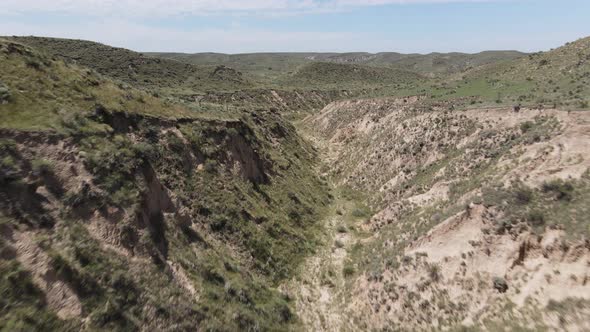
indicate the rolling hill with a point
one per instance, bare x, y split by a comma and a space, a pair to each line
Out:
138, 69
275, 64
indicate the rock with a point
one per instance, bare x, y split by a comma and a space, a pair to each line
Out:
500, 284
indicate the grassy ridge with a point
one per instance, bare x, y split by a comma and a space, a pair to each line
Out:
41, 92
246, 203
138, 69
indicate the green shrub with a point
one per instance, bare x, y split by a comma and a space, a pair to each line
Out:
114, 163
526, 126
210, 166
536, 218
523, 195
5, 95
348, 271
361, 213
22, 304
34, 63
8, 162
562, 190
42, 166
434, 272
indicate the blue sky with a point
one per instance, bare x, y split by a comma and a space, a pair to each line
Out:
237, 26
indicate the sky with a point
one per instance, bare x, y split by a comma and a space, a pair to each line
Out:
243, 26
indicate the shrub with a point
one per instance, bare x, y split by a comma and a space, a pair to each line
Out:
434, 272
526, 126
5, 94
42, 167
523, 195
342, 229
9, 169
33, 63
144, 150
361, 213
562, 190
348, 271
406, 260
502, 226
536, 218
210, 165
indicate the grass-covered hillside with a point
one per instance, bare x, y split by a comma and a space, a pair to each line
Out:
447, 63
120, 211
327, 74
559, 77
265, 67
556, 78
138, 69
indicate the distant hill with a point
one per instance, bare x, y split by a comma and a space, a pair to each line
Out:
137, 68
286, 62
446, 62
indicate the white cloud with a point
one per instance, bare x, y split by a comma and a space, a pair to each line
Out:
126, 8
239, 39
142, 37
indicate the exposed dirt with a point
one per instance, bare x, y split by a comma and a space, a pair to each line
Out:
455, 272
319, 287
59, 295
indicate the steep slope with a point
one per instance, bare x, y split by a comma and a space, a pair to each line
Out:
481, 216
137, 69
120, 211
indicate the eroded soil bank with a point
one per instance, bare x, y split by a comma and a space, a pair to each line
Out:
478, 219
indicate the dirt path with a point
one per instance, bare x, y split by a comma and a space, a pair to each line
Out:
318, 288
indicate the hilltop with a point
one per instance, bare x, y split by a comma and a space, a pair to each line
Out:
138, 69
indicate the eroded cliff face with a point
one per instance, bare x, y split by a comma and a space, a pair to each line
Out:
287, 101
481, 216
150, 223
